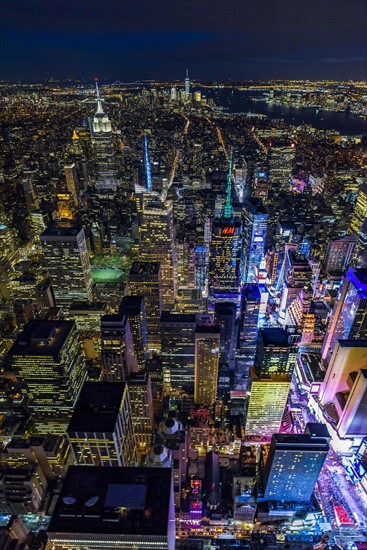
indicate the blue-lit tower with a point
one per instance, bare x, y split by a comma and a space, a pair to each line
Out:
187, 85
148, 170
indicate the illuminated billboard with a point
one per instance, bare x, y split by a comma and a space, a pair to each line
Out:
228, 230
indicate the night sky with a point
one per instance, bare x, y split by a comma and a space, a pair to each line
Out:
215, 39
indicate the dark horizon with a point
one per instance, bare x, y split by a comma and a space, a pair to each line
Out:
157, 39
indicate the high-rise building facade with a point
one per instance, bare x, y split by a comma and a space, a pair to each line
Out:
275, 353
106, 173
133, 307
141, 407
352, 421
266, 406
101, 431
251, 300
207, 351
178, 351
280, 164
360, 210
157, 243
293, 466
145, 280
66, 255
224, 261
118, 356
47, 357
339, 253
72, 181
349, 317
255, 220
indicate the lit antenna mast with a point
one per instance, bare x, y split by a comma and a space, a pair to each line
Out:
98, 99
228, 206
148, 170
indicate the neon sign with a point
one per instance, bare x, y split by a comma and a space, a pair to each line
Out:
228, 231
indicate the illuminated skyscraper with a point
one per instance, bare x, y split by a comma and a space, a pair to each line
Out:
47, 357
349, 317
66, 255
72, 181
360, 210
141, 407
100, 431
157, 243
275, 353
280, 162
178, 351
250, 320
255, 220
104, 149
267, 402
145, 280
207, 351
293, 466
118, 355
133, 307
297, 276
339, 253
225, 250
352, 422
349, 356
187, 85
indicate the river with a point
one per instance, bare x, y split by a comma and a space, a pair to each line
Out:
239, 101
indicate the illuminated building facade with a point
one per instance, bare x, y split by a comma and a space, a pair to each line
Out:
275, 353
207, 351
104, 149
360, 210
178, 351
339, 253
280, 164
293, 466
124, 508
255, 220
267, 402
352, 422
48, 358
349, 356
72, 181
66, 255
101, 431
157, 243
133, 307
349, 317
145, 280
118, 356
224, 261
141, 407
250, 319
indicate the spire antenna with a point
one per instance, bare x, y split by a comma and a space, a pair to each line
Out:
98, 99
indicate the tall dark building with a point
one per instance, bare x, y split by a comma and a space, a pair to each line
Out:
275, 353
118, 356
250, 320
101, 431
225, 316
280, 164
145, 279
293, 466
133, 307
178, 351
115, 508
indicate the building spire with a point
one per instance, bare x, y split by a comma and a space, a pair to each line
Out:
148, 170
228, 207
99, 100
